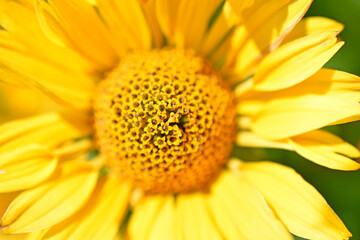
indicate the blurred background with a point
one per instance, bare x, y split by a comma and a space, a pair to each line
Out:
340, 189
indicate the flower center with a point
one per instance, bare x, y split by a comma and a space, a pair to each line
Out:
165, 120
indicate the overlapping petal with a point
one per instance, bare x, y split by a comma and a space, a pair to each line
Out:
51, 202
266, 24
295, 61
289, 117
241, 212
299, 206
105, 210
25, 167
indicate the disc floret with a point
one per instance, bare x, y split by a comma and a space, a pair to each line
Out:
165, 120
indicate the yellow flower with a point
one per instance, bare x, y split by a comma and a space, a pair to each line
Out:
154, 95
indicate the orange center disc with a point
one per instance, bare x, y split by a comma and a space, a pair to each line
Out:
165, 120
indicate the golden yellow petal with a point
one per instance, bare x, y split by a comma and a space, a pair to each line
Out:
48, 130
192, 22
26, 236
299, 206
25, 167
194, 220
289, 117
324, 82
150, 13
311, 25
74, 18
326, 149
242, 213
67, 88
265, 25
147, 212
127, 23
53, 201
218, 32
295, 61
166, 11
100, 218
240, 6
163, 227
20, 21
250, 139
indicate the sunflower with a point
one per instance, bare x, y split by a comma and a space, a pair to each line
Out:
154, 95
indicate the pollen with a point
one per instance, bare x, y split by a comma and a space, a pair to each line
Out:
165, 120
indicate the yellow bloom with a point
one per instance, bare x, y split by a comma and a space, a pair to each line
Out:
142, 147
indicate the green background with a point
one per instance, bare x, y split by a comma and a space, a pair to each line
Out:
340, 189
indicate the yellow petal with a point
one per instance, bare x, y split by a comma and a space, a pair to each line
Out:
219, 31
72, 148
52, 201
66, 88
265, 25
127, 23
324, 82
193, 220
299, 206
163, 227
326, 149
26, 236
250, 139
154, 25
74, 21
295, 61
20, 21
48, 130
25, 167
149, 213
192, 21
242, 213
290, 117
240, 6
6, 199
311, 25
105, 210
166, 11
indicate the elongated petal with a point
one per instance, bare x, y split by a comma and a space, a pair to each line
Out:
250, 139
105, 210
164, 224
240, 6
295, 61
193, 218
289, 117
192, 21
150, 14
25, 167
265, 25
300, 207
166, 11
324, 82
71, 20
326, 149
20, 21
127, 24
48, 130
242, 213
148, 214
6, 199
51, 202
311, 25
26, 236
64, 87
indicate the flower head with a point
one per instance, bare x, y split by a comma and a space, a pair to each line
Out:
155, 94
